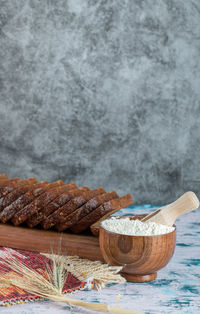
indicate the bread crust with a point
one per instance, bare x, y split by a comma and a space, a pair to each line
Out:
100, 211
39, 215
27, 210
86, 209
7, 186
51, 211
75, 203
21, 187
9, 211
14, 210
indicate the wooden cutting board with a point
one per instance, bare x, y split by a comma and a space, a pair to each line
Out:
85, 246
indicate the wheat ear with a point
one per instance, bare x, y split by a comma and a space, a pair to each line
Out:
50, 287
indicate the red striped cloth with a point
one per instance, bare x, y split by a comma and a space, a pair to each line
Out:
37, 262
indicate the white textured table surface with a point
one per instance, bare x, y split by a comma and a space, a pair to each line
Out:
176, 289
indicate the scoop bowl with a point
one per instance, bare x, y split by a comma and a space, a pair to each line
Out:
141, 256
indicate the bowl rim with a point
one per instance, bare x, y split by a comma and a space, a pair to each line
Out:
136, 236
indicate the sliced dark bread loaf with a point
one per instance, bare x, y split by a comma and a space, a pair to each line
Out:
115, 204
26, 199
61, 200
55, 207
40, 203
36, 218
86, 209
9, 211
17, 207
12, 184
7, 186
75, 203
29, 209
69, 207
20, 189
25, 181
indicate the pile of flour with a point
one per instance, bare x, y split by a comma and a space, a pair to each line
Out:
135, 227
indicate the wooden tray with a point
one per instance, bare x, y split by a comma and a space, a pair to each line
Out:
85, 246
82, 245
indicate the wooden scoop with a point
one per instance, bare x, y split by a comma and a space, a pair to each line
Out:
168, 214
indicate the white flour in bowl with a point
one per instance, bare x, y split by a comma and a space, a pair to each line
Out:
135, 227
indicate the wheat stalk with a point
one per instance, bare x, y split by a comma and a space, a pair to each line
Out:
50, 287
84, 269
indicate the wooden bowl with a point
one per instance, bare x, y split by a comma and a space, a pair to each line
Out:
142, 256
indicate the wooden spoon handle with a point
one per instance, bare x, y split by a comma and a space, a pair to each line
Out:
169, 213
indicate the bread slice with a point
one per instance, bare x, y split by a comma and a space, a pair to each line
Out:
115, 204
7, 186
86, 209
28, 210
36, 218
75, 203
25, 181
17, 207
40, 203
53, 209
9, 211
22, 187
66, 208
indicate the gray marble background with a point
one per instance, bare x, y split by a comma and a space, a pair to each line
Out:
105, 93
